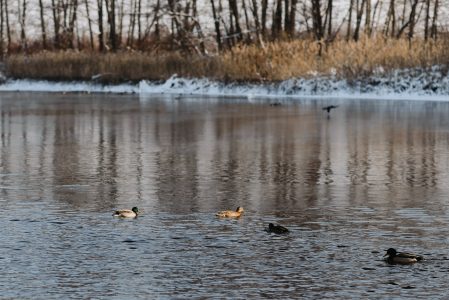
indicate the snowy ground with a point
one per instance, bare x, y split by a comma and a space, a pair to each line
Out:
404, 84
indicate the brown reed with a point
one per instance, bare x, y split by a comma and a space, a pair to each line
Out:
274, 62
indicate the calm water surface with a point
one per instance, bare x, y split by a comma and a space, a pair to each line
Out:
374, 175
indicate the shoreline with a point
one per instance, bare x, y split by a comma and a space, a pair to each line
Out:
399, 85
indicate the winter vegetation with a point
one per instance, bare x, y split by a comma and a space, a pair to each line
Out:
113, 41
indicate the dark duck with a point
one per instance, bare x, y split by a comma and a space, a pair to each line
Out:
278, 229
401, 258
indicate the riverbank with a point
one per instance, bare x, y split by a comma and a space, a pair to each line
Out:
410, 84
368, 68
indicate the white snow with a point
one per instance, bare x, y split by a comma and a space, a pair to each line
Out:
412, 84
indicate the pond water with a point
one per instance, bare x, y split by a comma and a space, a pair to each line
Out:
373, 174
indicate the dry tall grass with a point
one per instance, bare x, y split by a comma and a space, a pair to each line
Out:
277, 61
114, 67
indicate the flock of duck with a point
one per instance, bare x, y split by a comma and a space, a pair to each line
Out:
391, 256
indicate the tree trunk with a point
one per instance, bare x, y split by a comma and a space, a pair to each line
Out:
427, 20
264, 18
348, 30
89, 23
255, 10
139, 21
359, 20
132, 24
72, 21
217, 25
2, 45
248, 26
286, 14
110, 6
412, 19
43, 32
433, 30
235, 16
317, 19
199, 30
100, 25
22, 19
390, 19
276, 26
157, 26
120, 26
292, 18
374, 21
56, 24
368, 17
329, 18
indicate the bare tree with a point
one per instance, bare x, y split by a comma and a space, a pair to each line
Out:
377, 11
8, 27
100, 26
43, 31
264, 17
22, 9
368, 17
132, 24
317, 19
292, 18
433, 30
235, 20
276, 25
217, 25
2, 46
329, 17
412, 19
89, 23
110, 9
139, 20
71, 25
359, 16
348, 32
427, 20
55, 7
390, 20
247, 21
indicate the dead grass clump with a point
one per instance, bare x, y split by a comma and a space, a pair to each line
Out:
277, 61
351, 59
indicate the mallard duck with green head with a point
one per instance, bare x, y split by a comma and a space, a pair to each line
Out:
401, 258
127, 213
278, 229
230, 213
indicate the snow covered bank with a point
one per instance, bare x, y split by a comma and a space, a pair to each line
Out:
64, 87
403, 84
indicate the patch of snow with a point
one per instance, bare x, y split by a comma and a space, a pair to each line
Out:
418, 84
23, 85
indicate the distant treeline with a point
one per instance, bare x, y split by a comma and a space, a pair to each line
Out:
199, 26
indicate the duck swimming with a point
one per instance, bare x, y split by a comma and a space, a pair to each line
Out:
230, 213
401, 258
278, 229
127, 213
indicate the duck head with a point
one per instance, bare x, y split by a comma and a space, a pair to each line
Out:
391, 252
239, 209
135, 209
